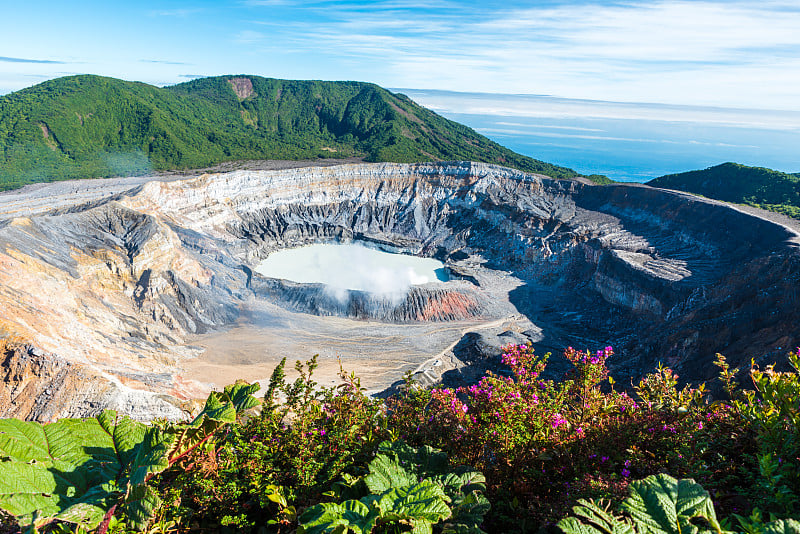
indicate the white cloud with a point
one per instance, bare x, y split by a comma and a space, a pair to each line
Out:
267, 3
176, 12
531, 106
249, 36
706, 52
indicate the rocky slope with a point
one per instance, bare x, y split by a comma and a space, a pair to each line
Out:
109, 291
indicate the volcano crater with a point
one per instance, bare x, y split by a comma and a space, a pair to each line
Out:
151, 296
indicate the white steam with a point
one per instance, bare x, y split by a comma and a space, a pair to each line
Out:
343, 267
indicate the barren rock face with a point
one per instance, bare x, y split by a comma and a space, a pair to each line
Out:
115, 289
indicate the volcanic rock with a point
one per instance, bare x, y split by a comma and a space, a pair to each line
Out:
112, 289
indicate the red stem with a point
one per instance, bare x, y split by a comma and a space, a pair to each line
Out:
102, 528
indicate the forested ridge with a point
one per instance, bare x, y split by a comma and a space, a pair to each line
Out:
92, 126
755, 186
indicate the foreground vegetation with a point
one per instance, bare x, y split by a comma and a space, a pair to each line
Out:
91, 126
754, 186
512, 453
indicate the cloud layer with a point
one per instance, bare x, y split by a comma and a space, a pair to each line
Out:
705, 52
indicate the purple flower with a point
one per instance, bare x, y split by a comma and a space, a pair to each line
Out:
604, 459
558, 420
626, 473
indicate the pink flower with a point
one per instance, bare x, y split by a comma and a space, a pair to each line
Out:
558, 420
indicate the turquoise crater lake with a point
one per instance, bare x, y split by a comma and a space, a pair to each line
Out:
352, 266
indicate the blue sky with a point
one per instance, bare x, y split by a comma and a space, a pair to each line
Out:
709, 53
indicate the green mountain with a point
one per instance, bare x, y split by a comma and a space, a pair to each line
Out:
91, 126
755, 186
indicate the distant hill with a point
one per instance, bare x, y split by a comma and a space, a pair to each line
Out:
91, 126
755, 186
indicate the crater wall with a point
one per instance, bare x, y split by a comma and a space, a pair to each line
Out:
117, 286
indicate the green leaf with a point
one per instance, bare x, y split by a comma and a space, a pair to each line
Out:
141, 503
460, 483
659, 504
89, 511
592, 519
153, 454
72, 470
782, 526
385, 473
421, 505
468, 514
422, 501
126, 434
241, 395
218, 408
328, 517
425, 460
75, 470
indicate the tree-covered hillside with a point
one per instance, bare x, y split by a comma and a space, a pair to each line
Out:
91, 126
755, 186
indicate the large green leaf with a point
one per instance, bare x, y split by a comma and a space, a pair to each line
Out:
352, 515
423, 460
153, 454
464, 489
71, 470
659, 504
75, 470
126, 433
241, 395
221, 409
398, 469
162, 446
385, 473
782, 526
421, 505
592, 519
468, 514
141, 503
424, 501
460, 482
